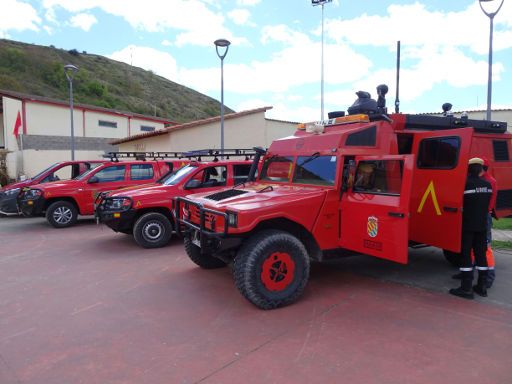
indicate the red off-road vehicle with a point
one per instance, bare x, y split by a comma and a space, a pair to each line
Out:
145, 211
64, 170
368, 183
62, 202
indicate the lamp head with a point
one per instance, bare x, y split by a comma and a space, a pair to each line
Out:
70, 70
222, 43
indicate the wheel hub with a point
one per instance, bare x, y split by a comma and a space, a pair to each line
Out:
277, 271
152, 231
62, 215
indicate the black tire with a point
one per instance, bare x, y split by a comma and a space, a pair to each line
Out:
152, 230
203, 260
62, 214
271, 269
452, 257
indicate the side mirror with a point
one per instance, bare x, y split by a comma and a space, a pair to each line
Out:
93, 180
193, 184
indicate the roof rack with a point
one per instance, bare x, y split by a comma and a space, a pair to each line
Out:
450, 122
191, 155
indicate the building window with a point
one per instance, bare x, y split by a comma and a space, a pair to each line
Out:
108, 124
147, 128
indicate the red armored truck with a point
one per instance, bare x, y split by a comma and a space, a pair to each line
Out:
369, 182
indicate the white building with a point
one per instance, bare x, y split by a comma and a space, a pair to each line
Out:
44, 131
244, 129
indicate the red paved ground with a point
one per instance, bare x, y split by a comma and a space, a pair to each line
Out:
85, 305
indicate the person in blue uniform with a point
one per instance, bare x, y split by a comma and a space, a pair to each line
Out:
477, 195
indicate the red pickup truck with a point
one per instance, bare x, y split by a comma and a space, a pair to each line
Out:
64, 170
146, 211
62, 202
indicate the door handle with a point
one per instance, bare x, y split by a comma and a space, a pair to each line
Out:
450, 209
396, 214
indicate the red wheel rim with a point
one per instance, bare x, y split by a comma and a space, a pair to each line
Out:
277, 271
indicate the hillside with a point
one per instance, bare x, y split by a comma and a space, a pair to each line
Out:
38, 70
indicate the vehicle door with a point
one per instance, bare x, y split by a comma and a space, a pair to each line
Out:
105, 179
61, 173
375, 207
207, 179
440, 173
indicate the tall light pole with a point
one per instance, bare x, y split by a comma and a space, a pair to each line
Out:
490, 15
322, 3
70, 71
222, 44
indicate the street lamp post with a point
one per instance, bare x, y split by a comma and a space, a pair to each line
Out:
70, 71
322, 3
221, 44
490, 15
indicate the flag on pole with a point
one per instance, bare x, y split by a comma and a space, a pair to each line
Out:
17, 125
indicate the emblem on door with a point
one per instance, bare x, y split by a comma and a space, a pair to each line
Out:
372, 227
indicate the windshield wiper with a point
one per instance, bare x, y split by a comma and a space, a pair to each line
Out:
313, 157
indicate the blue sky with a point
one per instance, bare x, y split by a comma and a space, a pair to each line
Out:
275, 55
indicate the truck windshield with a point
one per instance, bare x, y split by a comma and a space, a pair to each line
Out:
277, 168
175, 177
316, 170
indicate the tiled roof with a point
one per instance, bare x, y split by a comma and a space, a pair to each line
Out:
189, 125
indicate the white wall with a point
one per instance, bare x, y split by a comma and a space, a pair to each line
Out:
241, 132
52, 120
35, 161
93, 129
137, 123
11, 108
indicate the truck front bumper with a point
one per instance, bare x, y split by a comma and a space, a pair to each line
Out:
31, 207
117, 221
207, 240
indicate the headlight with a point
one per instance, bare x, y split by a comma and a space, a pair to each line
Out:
11, 192
232, 218
33, 194
118, 203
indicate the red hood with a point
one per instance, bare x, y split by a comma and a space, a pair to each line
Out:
58, 185
138, 191
300, 204
19, 184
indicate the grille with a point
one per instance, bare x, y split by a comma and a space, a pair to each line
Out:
225, 194
504, 199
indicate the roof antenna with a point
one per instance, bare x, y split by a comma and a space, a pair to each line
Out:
397, 100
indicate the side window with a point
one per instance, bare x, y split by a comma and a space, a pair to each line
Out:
500, 150
240, 172
110, 174
141, 172
439, 153
211, 177
379, 177
64, 173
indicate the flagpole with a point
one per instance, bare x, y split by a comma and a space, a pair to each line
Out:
22, 162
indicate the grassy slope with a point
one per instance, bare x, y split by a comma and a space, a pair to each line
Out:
38, 70
505, 223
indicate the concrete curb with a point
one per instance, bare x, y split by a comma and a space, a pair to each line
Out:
502, 235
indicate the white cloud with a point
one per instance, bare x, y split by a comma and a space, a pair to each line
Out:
19, 16
159, 62
247, 3
158, 16
83, 20
240, 16
166, 43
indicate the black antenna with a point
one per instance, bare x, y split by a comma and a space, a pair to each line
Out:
397, 100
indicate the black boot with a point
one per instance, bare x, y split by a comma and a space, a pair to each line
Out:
464, 290
481, 287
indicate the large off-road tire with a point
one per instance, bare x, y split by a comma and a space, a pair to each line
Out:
452, 257
271, 269
204, 260
152, 230
61, 214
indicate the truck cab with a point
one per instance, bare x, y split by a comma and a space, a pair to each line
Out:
61, 202
145, 211
369, 183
